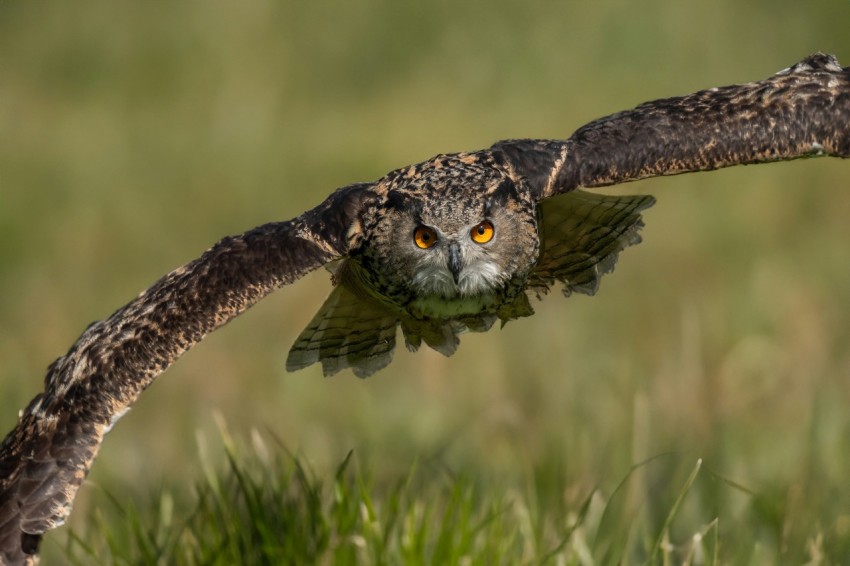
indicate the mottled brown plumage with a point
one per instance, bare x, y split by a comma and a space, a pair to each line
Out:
490, 226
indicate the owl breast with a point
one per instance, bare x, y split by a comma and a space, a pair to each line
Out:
432, 292
437, 307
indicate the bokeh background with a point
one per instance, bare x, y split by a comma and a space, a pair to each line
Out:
134, 135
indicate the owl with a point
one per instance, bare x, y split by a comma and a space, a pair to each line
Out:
449, 245
454, 244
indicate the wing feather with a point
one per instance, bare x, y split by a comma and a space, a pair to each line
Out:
581, 237
801, 111
46, 457
348, 331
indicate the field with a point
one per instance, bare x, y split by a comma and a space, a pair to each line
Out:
697, 409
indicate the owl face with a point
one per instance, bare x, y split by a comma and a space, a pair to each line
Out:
455, 263
450, 244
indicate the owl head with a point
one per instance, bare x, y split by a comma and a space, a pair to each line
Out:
452, 233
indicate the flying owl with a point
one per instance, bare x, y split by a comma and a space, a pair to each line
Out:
448, 245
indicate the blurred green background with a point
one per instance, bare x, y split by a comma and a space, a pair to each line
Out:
134, 135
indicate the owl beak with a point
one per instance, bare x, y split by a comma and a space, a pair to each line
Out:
455, 260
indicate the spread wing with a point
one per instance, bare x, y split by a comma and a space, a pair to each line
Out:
799, 112
46, 457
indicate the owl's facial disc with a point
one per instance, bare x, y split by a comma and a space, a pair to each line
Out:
456, 264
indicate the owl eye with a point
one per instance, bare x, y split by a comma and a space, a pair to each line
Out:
424, 237
482, 233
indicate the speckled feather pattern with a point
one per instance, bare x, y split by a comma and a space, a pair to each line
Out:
554, 235
46, 457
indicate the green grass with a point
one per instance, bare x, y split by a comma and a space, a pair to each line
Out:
263, 506
134, 135
260, 504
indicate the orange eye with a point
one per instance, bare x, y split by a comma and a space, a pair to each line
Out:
424, 237
482, 233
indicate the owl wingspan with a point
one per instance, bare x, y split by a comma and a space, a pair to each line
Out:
802, 111
581, 236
